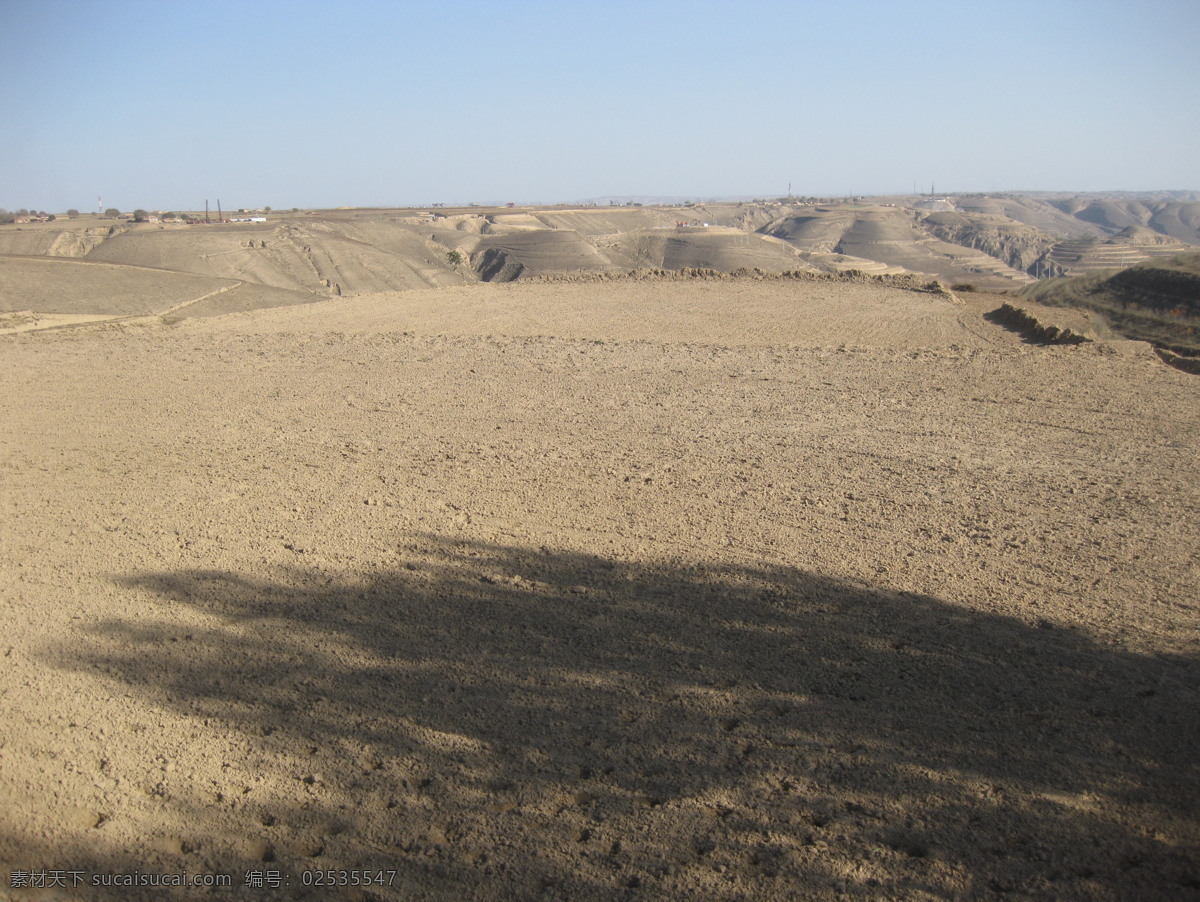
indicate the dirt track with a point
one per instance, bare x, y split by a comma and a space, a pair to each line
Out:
724, 591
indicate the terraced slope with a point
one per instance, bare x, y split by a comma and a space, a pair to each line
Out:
503, 223
1090, 255
69, 285
817, 230
504, 258
725, 249
316, 256
46, 292
599, 221
895, 238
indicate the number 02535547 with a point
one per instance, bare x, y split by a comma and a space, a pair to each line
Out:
340, 877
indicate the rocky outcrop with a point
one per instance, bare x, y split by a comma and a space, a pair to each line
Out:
494, 265
1017, 245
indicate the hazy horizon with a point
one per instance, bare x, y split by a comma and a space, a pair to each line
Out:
312, 105
699, 199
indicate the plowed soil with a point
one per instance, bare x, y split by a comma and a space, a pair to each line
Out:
741, 590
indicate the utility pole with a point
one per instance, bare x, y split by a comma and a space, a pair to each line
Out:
220, 215
206, 209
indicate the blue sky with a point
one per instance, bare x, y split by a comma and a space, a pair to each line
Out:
313, 104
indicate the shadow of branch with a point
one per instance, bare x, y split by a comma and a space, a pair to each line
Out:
498, 721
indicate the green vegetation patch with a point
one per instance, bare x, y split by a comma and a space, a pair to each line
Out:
1157, 301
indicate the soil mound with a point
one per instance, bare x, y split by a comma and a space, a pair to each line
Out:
1034, 328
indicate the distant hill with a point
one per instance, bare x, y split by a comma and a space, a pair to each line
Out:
1037, 212
910, 241
998, 243
1177, 219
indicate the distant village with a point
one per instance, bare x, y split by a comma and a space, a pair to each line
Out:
22, 217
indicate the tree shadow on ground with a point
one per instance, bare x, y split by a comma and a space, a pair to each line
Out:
502, 722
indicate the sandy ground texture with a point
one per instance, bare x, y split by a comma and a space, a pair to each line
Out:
677, 590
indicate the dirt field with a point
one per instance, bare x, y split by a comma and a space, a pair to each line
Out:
72, 286
741, 590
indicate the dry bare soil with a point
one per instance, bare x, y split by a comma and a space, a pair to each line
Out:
730, 590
